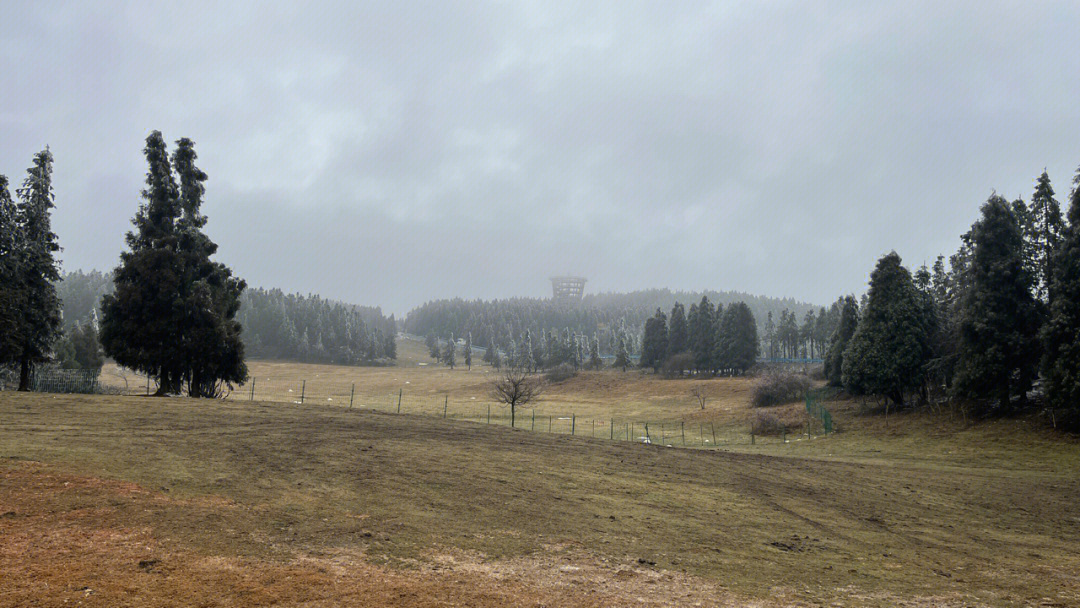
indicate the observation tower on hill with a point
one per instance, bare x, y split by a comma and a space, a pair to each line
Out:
567, 288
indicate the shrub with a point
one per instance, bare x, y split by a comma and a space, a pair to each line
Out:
766, 423
560, 373
778, 386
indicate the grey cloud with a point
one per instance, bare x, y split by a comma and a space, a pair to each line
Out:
391, 153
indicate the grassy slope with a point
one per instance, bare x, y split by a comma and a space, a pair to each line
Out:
862, 518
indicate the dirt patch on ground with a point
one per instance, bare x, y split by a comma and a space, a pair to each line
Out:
68, 540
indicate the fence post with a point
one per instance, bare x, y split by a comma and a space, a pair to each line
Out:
647, 437
489, 414
573, 422
147, 385
612, 430
533, 427
252, 389
303, 390
549, 424
352, 394
445, 405
683, 423
399, 400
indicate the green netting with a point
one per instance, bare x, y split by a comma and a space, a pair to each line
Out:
817, 411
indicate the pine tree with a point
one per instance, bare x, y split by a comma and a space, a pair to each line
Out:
770, 337
450, 352
38, 325
701, 328
1061, 334
173, 313
213, 352
139, 324
654, 343
622, 359
806, 332
527, 361
494, 359
834, 358
737, 346
998, 315
887, 352
1045, 231
10, 241
81, 349
468, 351
594, 353
677, 331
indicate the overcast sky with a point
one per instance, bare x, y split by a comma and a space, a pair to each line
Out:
388, 154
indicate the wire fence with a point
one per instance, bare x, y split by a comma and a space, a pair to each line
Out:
673, 432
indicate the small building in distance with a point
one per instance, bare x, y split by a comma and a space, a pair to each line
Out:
567, 288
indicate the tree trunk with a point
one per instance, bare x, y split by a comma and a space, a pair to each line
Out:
512, 411
163, 384
24, 374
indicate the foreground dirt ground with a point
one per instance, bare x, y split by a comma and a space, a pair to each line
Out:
139, 501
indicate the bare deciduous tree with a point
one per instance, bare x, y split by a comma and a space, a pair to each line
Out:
699, 393
515, 386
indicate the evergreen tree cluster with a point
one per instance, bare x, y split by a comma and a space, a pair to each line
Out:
984, 327
508, 325
549, 350
311, 329
608, 316
172, 315
789, 338
29, 306
708, 339
277, 325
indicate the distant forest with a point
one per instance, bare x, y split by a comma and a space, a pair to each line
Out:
607, 316
276, 325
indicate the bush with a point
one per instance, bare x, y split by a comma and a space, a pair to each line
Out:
778, 386
560, 373
766, 423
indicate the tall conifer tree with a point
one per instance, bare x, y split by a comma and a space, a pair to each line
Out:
890, 346
1061, 335
737, 345
213, 351
1046, 229
998, 315
38, 323
677, 338
834, 357
654, 345
173, 314
10, 240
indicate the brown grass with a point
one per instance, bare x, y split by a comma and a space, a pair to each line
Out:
303, 505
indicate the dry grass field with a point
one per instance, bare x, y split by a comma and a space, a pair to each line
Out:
108, 501
592, 399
